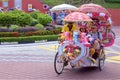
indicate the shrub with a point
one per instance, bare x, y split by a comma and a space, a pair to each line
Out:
35, 14
31, 33
33, 22
5, 19
15, 17
59, 28
9, 34
56, 31
115, 1
14, 27
24, 19
29, 38
26, 29
39, 26
5, 30
44, 19
45, 32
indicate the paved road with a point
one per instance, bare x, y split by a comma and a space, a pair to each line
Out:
35, 61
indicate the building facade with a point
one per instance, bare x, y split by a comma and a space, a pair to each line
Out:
25, 5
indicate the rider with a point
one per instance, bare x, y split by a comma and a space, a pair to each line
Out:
97, 38
69, 27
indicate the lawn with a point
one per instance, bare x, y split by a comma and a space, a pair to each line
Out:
77, 3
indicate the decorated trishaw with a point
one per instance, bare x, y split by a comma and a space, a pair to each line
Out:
102, 18
77, 51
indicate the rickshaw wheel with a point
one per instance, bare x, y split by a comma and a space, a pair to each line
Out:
58, 64
101, 59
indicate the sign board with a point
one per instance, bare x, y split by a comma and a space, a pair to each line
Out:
45, 6
30, 7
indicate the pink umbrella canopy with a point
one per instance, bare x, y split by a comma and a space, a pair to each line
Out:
92, 8
77, 17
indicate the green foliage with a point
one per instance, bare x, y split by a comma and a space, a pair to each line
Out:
21, 18
16, 18
33, 22
35, 14
59, 28
44, 19
54, 2
14, 27
114, 1
31, 33
56, 31
29, 38
16, 12
78, 3
9, 34
39, 26
24, 19
7, 19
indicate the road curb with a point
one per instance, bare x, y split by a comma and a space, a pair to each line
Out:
13, 43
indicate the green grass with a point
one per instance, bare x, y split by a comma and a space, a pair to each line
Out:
107, 4
100, 2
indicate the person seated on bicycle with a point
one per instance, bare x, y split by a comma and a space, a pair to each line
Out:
82, 29
95, 42
97, 37
107, 25
96, 21
69, 27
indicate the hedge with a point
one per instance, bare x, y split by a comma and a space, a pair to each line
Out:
31, 33
15, 18
44, 19
114, 1
29, 38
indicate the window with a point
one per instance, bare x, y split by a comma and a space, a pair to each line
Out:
18, 4
5, 3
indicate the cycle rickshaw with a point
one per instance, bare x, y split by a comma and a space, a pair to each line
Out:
75, 52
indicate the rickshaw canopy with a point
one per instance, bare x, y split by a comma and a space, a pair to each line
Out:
62, 7
93, 8
77, 17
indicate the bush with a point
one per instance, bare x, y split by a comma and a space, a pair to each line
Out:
39, 26
5, 19
9, 34
114, 1
27, 29
44, 19
56, 31
29, 38
33, 22
24, 19
16, 18
59, 28
14, 27
5, 30
35, 14
29, 33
